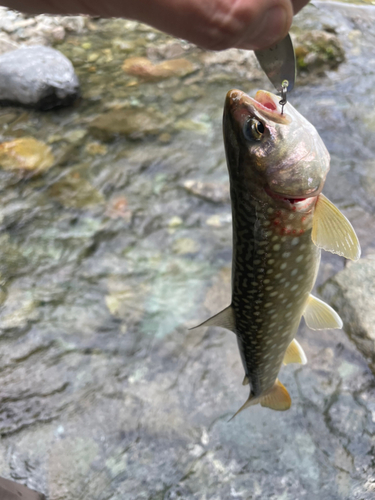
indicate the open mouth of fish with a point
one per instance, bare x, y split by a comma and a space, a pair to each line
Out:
291, 199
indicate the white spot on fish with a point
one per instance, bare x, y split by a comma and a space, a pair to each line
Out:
270, 210
270, 261
266, 281
266, 223
295, 241
276, 247
283, 265
278, 275
260, 252
287, 283
268, 304
268, 288
257, 262
303, 246
299, 258
294, 287
285, 255
275, 238
273, 294
294, 272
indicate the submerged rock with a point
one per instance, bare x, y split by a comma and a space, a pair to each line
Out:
135, 123
37, 76
72, 191
214, 192
144, 68
351, 292
318, 51
26, 154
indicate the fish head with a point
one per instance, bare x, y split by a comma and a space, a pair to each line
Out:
275, 155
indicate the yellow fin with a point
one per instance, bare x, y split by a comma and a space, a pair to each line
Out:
224, 319
294, 354
245, 380
278, 398
320, 316
332, 231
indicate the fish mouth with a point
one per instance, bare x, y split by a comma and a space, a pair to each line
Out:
288, 198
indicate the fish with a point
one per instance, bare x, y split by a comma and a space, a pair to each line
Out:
277, 165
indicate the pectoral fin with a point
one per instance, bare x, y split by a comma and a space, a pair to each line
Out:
224, 319
245, 380
294, 354
277, 398
333, 232
320, 316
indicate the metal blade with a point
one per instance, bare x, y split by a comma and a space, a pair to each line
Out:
279, 63
10, 490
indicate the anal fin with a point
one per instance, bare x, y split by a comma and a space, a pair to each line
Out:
294, 354
320, 316
332, 231
224, 319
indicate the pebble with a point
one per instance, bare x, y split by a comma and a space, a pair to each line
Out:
27, 154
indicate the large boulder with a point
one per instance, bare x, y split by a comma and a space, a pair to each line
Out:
352, 293
37, 76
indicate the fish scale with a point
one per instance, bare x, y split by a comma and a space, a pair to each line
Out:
277, 166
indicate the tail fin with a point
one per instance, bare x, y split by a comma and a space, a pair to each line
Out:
277, 398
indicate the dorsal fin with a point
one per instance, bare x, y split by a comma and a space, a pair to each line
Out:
320, 316
332, 231
224, 319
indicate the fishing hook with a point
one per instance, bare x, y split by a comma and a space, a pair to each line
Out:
284, 90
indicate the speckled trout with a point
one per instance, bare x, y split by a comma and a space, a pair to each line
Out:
277, 166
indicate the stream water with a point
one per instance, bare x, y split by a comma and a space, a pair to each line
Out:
125, 242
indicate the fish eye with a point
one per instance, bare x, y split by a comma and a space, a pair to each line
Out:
253, 130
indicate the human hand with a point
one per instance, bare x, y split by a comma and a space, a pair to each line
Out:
211, 24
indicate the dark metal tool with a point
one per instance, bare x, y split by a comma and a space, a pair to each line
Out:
279, 64
10, 490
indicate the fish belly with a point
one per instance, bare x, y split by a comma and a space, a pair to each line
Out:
273, 274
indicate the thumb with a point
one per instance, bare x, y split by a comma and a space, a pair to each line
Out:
268, 23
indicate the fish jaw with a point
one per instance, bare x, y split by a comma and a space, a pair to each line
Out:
290, 159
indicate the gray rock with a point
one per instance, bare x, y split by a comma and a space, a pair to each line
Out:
351, 292
37, 76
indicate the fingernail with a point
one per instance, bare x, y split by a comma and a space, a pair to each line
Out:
272, 28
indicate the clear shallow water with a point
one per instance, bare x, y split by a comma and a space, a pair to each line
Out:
107, 259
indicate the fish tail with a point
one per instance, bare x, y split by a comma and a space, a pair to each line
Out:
277, 398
